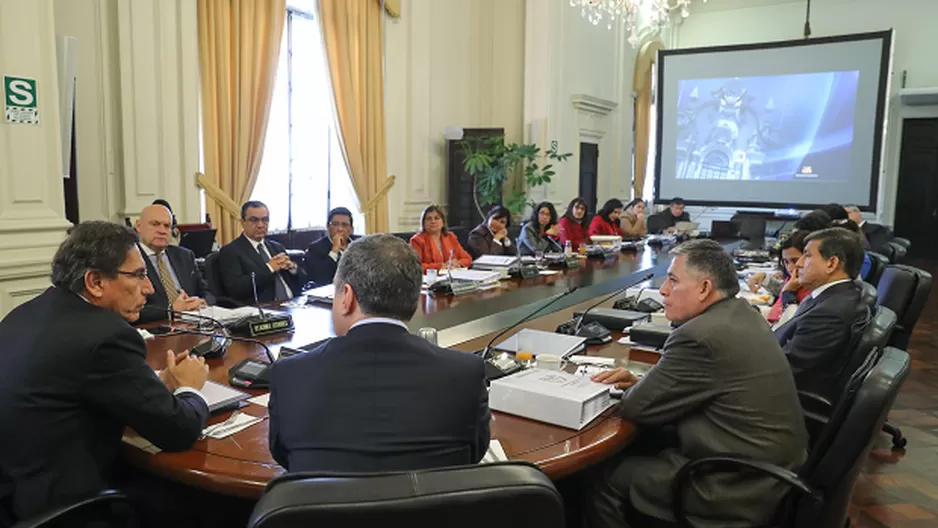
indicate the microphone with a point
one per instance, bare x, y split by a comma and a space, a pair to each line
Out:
268, 353
257, 303
485, 351
643, 278
211, 349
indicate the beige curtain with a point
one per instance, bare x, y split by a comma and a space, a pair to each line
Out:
239, 47
642, 87
352, 32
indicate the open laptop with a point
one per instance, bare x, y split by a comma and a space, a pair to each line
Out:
199, 241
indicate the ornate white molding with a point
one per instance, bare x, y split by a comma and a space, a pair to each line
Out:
593, 105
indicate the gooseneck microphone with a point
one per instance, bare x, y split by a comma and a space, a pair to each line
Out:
257, 303
643, 278
485, 351
228, 337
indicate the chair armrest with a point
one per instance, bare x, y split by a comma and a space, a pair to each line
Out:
104, 497
727, 464
815, 399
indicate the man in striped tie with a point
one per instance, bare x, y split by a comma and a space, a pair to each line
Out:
176, 280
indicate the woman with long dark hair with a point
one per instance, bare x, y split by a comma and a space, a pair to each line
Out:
606, 221
491, 237
573, 224
539, 234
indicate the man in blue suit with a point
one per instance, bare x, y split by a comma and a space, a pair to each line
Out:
378, 398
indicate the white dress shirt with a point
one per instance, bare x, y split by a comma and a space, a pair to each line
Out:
822, 288
381, 320
154, 259
286, 286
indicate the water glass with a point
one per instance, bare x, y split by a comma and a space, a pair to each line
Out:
429, 334
431, 276
549, 362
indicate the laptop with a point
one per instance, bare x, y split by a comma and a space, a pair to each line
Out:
724, 229
199, 241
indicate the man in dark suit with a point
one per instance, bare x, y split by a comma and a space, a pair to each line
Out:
378, 398
322, 256
828, 321
723, 386
665, 221
73, 375
277, 277
177, 283
877, 235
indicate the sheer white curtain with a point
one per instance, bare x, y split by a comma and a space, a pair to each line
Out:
303, 174
648, 190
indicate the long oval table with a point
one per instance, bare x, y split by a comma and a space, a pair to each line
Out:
241, 464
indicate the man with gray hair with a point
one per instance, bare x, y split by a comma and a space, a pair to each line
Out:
74, 374
377, 398
723, 386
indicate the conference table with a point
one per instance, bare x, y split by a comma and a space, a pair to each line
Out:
241, 465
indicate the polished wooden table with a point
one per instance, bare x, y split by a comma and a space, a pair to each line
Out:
241, 464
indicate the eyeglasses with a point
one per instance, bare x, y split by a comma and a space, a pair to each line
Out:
256, 220
340, 224
140, 274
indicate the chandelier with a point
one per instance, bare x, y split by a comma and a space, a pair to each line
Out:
637, 16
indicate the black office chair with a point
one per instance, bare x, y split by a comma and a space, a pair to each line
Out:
215, 284
108, 509
820, 491
898, 252
867, 293
878, 265
509, 495
870, 345
904, 242
904, 289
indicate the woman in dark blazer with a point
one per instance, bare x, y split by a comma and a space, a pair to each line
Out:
539, 233
491, 237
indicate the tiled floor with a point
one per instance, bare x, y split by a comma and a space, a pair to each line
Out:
899, 488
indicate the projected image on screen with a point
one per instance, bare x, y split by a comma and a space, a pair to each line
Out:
783, 127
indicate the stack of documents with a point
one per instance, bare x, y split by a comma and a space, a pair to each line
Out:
541, 342
495, 262
225, 316
551, 396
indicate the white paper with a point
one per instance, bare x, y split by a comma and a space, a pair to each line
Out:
261, 400
592, 360
550, 272
221, 314
144, 334
495, 453
240, 423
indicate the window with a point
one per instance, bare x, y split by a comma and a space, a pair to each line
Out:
303, 174
648, 190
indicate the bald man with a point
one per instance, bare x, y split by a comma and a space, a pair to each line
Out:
177, 283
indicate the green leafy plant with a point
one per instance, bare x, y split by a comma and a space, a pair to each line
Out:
491, 162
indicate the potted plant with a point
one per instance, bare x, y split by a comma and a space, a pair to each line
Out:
491, 161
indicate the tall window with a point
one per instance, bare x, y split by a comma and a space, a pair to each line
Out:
303, 174
648, 190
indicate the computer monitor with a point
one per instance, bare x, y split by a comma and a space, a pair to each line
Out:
199, 241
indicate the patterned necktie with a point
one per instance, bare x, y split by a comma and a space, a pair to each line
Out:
280, 289
165, 278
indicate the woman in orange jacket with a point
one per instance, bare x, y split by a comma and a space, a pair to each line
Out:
434, 243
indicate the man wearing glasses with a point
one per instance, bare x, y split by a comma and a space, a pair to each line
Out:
74, 374
322, 256
276, 276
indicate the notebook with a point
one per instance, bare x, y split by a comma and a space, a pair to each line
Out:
541, 342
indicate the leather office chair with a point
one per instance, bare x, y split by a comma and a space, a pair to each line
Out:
904, 242
820, 492
870, 345
867, 293
899, 251
511, 494
904, 290
879, 263
215, 284
110, 508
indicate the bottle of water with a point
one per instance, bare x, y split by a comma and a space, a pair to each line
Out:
568, 249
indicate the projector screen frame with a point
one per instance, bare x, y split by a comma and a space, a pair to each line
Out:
886, 36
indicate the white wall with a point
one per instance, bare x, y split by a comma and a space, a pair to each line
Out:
913, 21
447, 63
578, 87
32, 222
137, 104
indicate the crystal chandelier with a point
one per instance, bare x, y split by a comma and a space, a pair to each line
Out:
638, 16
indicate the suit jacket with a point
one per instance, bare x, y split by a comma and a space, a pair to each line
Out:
432, 258
530, 241
378, 399
72, 377
877, 235
482, 242
660, 222
816, 339
725, 386
187, 272
238, 259
320, 268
